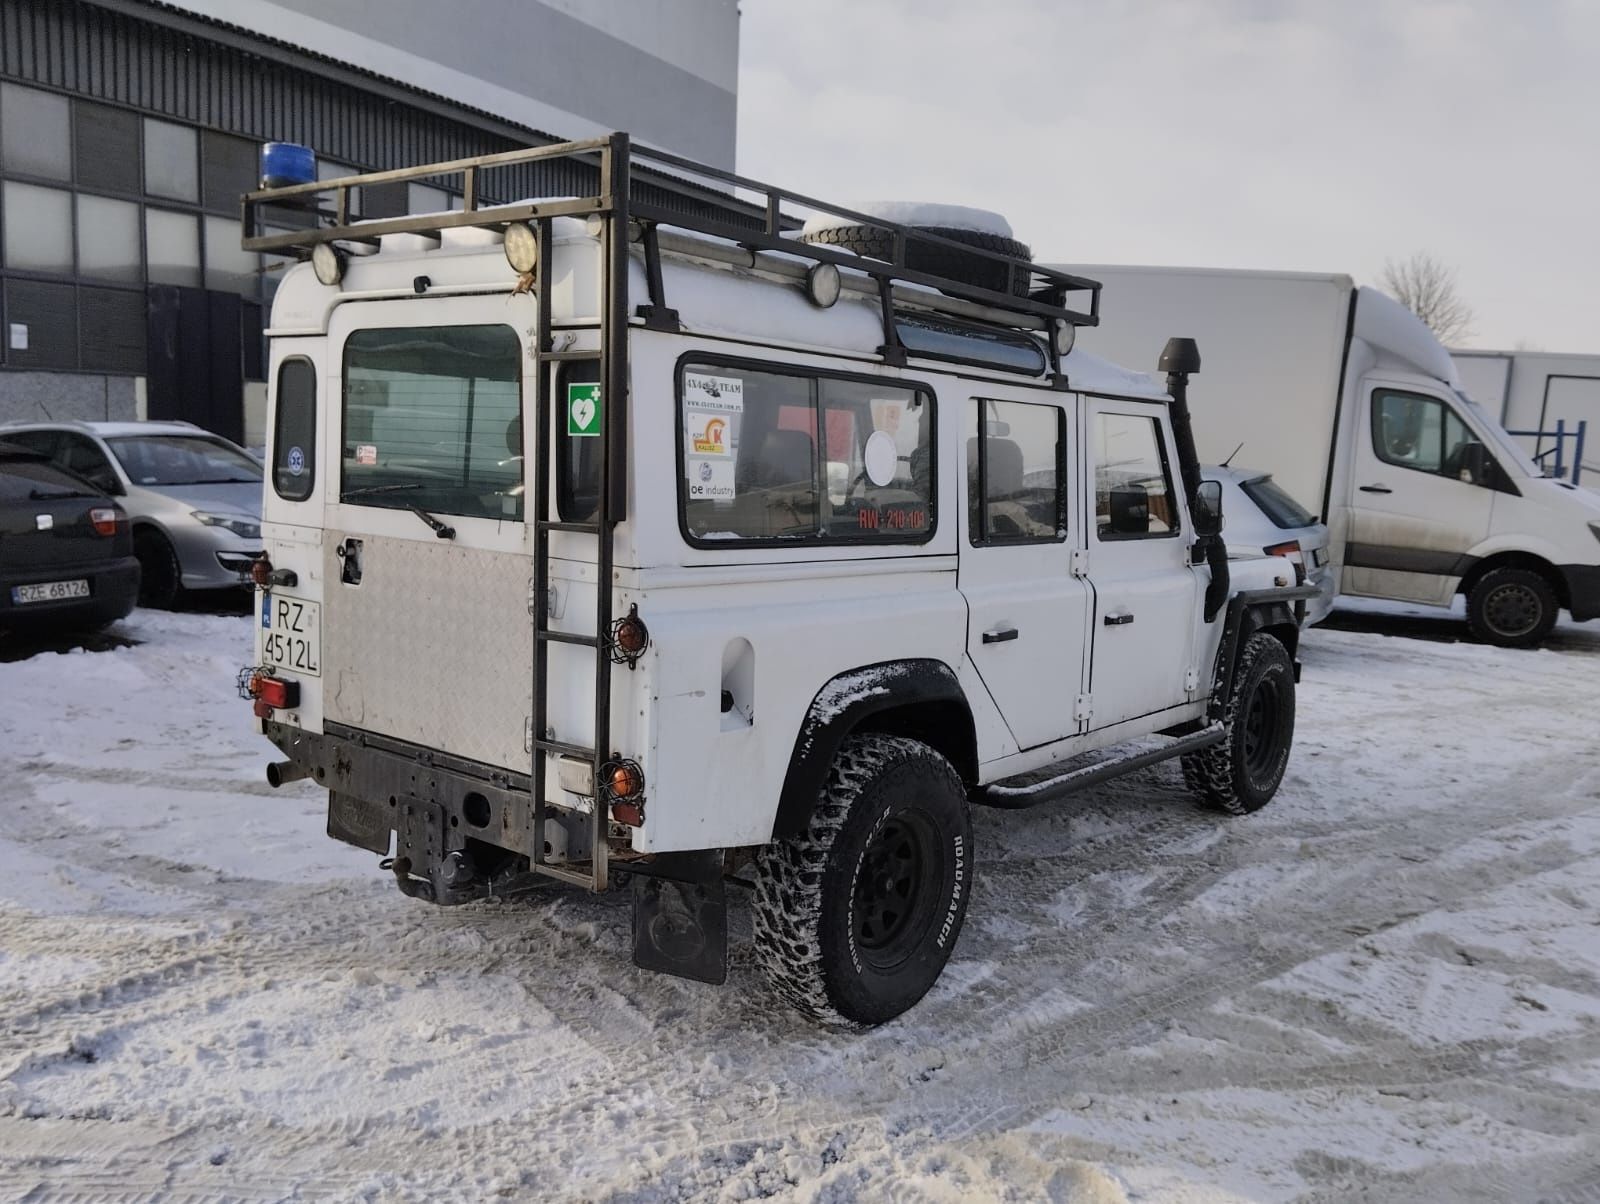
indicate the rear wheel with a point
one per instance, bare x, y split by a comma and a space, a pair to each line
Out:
856, 917
1514, 608
1243, 772
160, 579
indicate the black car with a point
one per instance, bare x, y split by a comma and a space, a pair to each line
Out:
66, 550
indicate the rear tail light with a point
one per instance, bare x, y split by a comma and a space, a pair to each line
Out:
262, 574
270, 693
107, 520
1289, 548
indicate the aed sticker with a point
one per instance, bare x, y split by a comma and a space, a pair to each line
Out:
708, 433
583, 411
366, 453
296, 461
705, 392
711, 480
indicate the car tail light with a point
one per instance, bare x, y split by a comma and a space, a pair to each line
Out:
270, 693
629, 638
107, 520
1289, 548
624, 782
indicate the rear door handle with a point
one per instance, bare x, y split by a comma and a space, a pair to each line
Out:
999, 635
1119, 620
1376, 489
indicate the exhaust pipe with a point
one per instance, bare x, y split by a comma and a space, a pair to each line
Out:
1180, 359
280, 773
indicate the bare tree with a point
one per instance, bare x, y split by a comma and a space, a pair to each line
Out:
1428, 289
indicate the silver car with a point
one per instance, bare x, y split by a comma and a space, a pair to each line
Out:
194, 498
1259, 517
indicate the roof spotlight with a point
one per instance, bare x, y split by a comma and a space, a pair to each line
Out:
327, 261
522, 247
823, 284
1066, 336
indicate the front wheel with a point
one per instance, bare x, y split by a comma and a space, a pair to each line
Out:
1513, 608
856, 917
1243, 772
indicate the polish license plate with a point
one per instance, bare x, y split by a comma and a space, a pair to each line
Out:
49, 591
291, 634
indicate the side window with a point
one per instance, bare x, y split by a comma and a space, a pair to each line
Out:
83, 458
1423, 433
1133, 496
770, 455
1015, 483
43, 442
294, 431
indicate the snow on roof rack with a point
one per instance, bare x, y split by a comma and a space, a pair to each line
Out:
761, 224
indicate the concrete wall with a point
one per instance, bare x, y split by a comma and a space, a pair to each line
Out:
51, 396
664, 70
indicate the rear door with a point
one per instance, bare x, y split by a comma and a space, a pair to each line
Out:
1146, 593
426, 635
1415, 512
1027, 612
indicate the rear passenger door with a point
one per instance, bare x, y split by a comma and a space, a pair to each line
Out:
1027, 612
1145, 590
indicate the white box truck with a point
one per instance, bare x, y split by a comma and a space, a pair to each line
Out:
1549, 400
1357, 410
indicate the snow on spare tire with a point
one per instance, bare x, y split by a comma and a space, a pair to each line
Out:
979, 228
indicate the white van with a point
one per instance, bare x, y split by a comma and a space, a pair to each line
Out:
1550, 401
632, 536
1356, 409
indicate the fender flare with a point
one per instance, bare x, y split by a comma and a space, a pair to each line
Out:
842, 705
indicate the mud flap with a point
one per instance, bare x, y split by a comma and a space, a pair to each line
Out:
358, 822
680, 917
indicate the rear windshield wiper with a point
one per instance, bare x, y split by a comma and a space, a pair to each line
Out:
442, 530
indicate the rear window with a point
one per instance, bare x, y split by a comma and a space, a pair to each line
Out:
433, 418
1277, 505
773, 456
294, 434
25, 479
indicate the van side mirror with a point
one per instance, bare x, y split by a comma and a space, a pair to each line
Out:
1476, 466
1208, 509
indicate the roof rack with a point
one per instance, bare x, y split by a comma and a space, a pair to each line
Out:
758, 225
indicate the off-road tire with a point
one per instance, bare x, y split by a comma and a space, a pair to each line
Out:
1512, 608
160, 578
820, 934
935, 259
1243, 772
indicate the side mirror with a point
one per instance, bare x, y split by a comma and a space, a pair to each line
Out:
1208, 509
1476, 466
1130, 510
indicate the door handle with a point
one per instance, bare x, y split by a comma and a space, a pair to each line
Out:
1376, 489
999, 635
1119, 620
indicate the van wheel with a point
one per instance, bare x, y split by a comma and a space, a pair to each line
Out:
160, 579
856, 917
1514, 608
1241, 774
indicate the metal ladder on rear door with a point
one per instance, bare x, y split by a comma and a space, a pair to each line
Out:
610, 510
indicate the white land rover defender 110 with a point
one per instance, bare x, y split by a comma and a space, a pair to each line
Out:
650, 533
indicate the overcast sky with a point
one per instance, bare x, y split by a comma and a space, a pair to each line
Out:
1235, 133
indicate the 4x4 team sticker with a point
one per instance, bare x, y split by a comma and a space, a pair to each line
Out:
709, 406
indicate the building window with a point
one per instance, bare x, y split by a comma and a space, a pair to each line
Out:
1015, 485
172, 246
35, 133
171, 161
227, 266
38, 228
108, 239
106, 146
425, 198
230, 170
112, 326
327, 169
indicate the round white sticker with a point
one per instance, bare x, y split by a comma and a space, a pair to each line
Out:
882, 457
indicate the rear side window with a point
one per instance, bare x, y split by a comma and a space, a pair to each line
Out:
294, 431
1277, 505
1015, 484
774, 456
433, 418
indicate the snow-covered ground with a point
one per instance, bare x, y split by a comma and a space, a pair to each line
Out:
1386, 985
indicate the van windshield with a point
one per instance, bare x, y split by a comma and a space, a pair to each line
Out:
433, 418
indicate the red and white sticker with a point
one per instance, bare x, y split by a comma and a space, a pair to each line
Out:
366, 453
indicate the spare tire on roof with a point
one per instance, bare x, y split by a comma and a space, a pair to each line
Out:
971, 227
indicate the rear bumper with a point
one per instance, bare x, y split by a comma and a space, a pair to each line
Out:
113, 590
1583, 588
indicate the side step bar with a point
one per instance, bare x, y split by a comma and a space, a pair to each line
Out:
999, 794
